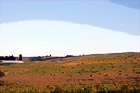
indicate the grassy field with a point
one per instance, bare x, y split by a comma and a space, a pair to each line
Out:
83, 74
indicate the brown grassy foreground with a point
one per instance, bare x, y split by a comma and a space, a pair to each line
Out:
84, 74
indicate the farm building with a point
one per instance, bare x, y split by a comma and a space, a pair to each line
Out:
11, 59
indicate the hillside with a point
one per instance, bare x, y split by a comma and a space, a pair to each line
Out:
44, 58
118, 72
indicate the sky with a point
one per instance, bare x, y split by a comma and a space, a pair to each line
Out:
61, 27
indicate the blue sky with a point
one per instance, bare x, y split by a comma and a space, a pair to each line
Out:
121, 15
128, 3
117, 18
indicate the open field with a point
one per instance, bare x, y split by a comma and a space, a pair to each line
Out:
83, 74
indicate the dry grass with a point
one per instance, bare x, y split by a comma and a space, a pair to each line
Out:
113, 72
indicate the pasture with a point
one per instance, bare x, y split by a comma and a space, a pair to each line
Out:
81, 74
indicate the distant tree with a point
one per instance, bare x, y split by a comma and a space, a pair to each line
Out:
6, 58
12, 58
2, 58
69, 56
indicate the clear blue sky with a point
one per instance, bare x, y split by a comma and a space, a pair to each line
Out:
41, 24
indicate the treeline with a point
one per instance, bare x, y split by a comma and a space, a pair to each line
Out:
43, 58
8, 58
11, 57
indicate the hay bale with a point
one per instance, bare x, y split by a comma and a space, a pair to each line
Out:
2, 74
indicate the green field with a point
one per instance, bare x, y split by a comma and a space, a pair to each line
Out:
83, 74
